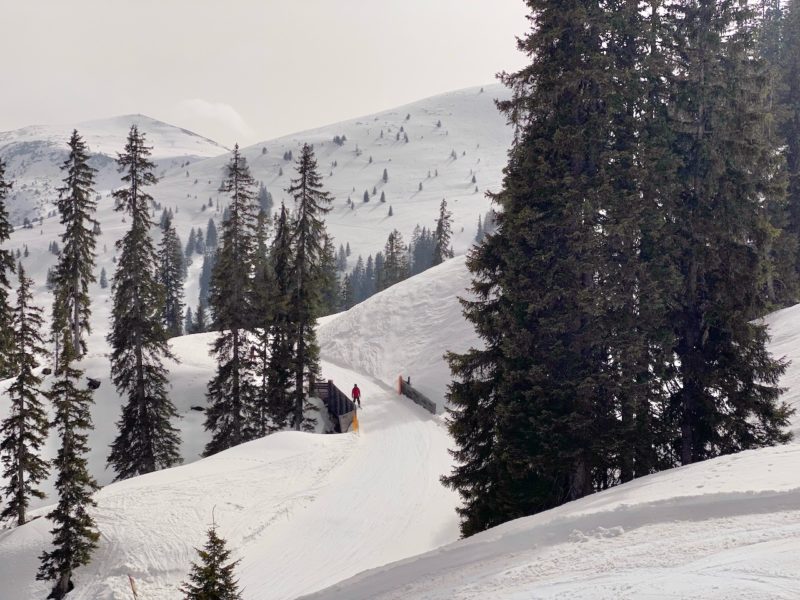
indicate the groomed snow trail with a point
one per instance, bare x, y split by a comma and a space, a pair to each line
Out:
301, 511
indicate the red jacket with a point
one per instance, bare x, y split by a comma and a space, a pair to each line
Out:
356, 393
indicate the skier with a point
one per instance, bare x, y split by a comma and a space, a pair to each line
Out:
356, 394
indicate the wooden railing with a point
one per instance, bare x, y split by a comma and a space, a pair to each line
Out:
341, 409
404, 388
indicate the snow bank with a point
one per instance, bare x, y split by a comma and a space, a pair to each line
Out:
406, 330
726, 528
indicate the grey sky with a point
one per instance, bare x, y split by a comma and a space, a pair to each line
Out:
244, 70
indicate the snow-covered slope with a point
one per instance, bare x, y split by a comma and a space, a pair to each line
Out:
471, 129
727, 529
406, 330
301, 511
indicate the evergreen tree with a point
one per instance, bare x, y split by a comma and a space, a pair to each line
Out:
188, 321
74, 533
200, 243
309, 241
263, 318
201, 322
103, 278
330, 280
232, 393
23, 432
191, 244
170, 276
442, 249
146, 439
528, 408
74, 271
395, 265
281, 353
213, 578
6, 267
728, 397
264, 200
211, 235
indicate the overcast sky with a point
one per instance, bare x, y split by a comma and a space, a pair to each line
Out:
244, 70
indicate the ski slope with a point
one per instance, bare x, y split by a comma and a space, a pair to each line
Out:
301, 511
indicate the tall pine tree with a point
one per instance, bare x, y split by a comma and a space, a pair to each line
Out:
74, 271
6, 268
231, 395
170, 276
728, 398
74, 534
312, 203
24, 431
147, 440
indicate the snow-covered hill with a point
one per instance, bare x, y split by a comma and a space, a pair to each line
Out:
391, 339
34, 154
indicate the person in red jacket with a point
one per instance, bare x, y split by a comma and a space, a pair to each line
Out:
356, 394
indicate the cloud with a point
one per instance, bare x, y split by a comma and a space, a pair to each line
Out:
219, 113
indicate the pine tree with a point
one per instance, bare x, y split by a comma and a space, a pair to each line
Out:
191, 244
395, 265
442, 249
213, 578
200, 322
23, 432
263, 317
232, 393
6, 267
74, 534
281, 352
330, 280
170, 277
146, 440
74, 271
188, 321
211, 235
103, 278
312, 203
728, 397
524, 408
264, 200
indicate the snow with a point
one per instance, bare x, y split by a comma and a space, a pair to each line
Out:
302, 511
406, 330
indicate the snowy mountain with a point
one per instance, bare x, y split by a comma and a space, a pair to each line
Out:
34, 154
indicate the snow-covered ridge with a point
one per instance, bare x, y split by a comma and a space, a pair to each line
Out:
105, 136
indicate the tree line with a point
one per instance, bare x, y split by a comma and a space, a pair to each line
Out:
266, 287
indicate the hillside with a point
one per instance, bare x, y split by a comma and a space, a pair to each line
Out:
34, 154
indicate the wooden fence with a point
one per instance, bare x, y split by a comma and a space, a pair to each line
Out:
341, 409
404, 388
